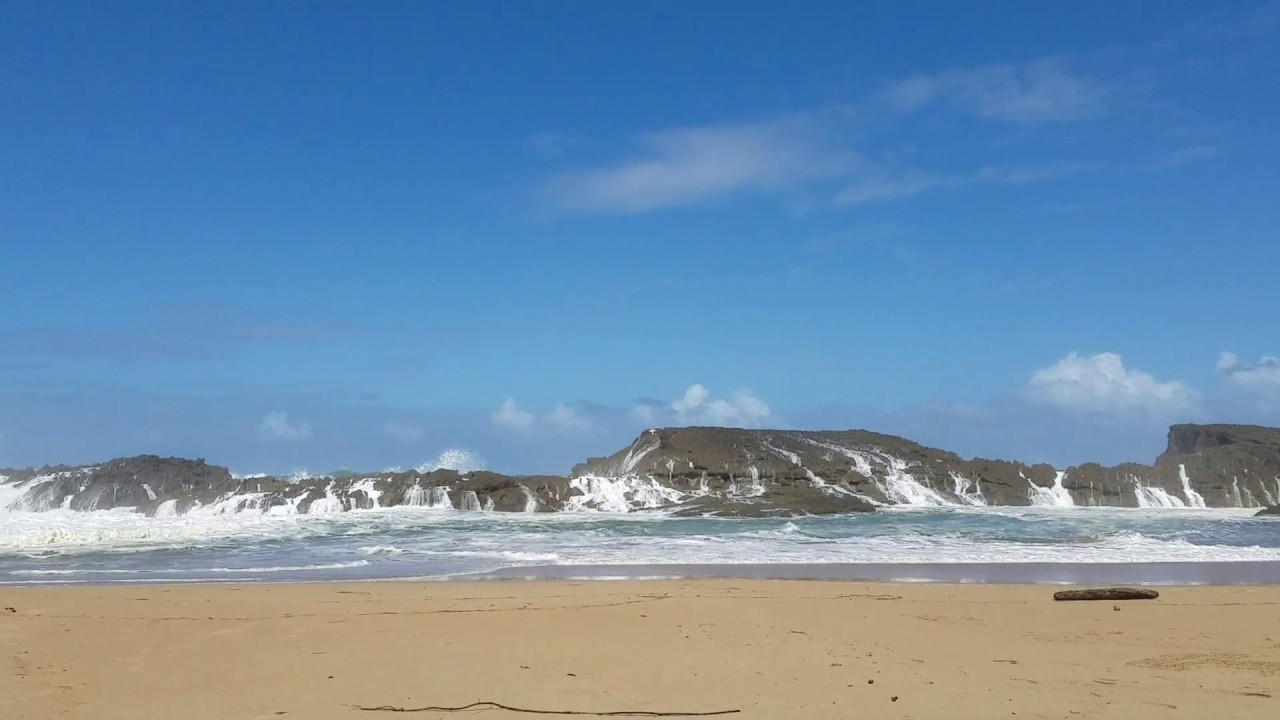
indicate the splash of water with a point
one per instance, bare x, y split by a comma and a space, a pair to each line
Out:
1053, 496
531, 503
456, 459
470, 501
1154, 497
620, 494
962, 490
897, 485
1194, 499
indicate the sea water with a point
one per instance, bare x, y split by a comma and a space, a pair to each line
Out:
62, 546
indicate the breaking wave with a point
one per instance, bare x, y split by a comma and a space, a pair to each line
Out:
114, 546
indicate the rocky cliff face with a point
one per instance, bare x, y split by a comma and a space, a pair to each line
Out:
1204, 466
719, 471
174, 486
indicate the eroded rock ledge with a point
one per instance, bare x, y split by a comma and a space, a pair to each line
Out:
700, 470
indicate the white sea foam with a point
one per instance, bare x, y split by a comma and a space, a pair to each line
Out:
901, 487
1194, 499
456, 459
511, 555
633, 457
620, 494
381, 550
435, 497
531, 503
422, 540
369, 488
285, 568
1266, 492
893, 480
789, 456
1053, 496
968, 491
1155, 497
470, 501
10, 493
790, 546
751, 487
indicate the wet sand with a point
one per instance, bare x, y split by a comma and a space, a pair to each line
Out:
773, 649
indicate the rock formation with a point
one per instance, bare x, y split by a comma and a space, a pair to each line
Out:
697, 471
1204, 465
174, 486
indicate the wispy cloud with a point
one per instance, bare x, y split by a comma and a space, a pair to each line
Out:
1183, 156
696, 165
1081, 206
277, 426
562, 419
565, 419
883, 187
1039, 92
809, 158
509, 416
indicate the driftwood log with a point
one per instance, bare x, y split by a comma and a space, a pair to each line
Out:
1110, 593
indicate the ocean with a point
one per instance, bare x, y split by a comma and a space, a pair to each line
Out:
1046, 544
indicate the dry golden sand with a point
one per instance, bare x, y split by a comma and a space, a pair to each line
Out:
773, 649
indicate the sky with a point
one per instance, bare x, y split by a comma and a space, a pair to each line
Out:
336, 235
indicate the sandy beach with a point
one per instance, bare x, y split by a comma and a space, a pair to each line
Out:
770, 649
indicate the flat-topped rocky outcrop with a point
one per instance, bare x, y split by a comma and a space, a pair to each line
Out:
1209, 465
696, 471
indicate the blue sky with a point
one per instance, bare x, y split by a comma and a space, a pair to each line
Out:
284, 235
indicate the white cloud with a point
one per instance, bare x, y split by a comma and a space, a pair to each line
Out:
404, 433
741, 409
509, 416
1263, 375
1042, 91
696, 165
562, 419
881, 187
1100, 384
276, 426
565, 419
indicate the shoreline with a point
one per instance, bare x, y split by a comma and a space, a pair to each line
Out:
1225, 574
767, 648
1171, 574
